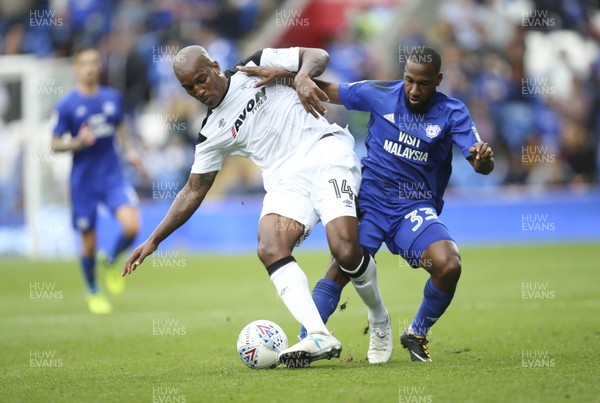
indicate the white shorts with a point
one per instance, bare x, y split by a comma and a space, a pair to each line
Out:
322, 188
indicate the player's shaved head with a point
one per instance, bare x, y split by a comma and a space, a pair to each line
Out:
191, 58
200, 75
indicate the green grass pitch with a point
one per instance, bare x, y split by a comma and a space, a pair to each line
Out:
524, 327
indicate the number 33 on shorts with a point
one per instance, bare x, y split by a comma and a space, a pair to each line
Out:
417, 216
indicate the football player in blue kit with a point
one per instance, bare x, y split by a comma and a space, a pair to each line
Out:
412, 128
85, 123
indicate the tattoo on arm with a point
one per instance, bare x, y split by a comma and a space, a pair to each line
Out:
313, 62
185, 204
203, 181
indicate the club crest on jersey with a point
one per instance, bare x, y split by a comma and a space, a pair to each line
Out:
249, 84
251, 107
432, 131
80, 111
109, 108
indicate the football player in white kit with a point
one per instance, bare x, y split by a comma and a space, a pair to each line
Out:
310, 173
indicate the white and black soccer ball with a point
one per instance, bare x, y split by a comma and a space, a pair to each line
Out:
260, 343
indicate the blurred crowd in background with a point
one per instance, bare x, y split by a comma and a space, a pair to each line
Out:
540, 113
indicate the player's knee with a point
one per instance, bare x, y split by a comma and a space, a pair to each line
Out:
129, 218
268, 253
88, 252
448, 271
347, 253
131, 229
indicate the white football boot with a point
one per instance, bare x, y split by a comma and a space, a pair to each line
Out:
381, 343
313, 347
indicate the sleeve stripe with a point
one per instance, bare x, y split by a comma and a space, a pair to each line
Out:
255, 57
476, 133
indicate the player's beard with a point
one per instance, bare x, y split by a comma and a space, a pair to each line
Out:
421, 108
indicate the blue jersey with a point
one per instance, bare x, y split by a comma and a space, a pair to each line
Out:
408, 155
97, 166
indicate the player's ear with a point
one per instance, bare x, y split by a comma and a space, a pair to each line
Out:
216, 66
439, 79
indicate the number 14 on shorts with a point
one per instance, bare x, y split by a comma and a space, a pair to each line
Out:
345, 188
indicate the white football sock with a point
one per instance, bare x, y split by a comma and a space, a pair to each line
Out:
292, 286
368, 289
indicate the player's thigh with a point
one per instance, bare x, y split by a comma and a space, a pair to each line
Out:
286, 219
84, 205
418, 229
334, 181
372, 231
129, 218
123, 202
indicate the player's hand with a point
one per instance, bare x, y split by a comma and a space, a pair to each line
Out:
137, 256
85, 137
268, 75
481, 152
310, 95
134, 159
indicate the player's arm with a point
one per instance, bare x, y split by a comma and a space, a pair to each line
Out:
124, 138
330, 90
482, 158
185, 204
465, 135
312, 63
84, 138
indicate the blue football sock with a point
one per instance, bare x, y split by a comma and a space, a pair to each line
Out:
88, 267
432, 307
121, 244
326, 295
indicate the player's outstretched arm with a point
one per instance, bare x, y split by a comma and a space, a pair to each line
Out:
330, 90
185, 204
482, 158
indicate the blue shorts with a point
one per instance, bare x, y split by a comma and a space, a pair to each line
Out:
85, 203
407, 233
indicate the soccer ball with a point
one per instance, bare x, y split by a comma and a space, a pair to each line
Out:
260, 343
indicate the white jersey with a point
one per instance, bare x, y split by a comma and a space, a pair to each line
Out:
268, 125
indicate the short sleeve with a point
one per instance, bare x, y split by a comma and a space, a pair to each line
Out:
463, 131
207, 158
286, 58
60, 120
359, 95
